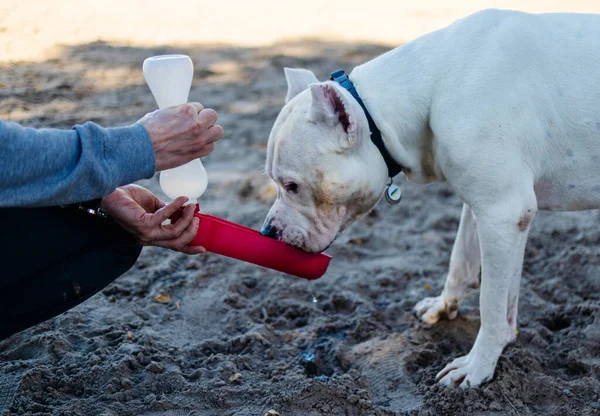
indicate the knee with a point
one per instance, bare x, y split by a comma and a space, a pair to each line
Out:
89, 272
526, 218
513, 216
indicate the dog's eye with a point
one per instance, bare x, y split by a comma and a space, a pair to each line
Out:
291, 187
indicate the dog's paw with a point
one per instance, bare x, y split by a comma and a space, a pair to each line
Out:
464, 373
430, 310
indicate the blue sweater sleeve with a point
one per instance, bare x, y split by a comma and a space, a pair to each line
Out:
46, 167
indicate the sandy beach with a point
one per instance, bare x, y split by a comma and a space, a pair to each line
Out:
209, 336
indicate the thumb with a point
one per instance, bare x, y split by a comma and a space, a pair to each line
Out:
167, 210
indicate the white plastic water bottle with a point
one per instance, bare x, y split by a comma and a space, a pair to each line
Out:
170, 79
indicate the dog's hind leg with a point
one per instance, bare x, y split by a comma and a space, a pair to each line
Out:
465, 262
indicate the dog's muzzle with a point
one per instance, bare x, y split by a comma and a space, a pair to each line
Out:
269, 230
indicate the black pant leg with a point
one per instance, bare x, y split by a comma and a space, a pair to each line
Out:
56, 260
35, 238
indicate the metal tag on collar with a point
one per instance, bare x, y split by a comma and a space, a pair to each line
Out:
393, 194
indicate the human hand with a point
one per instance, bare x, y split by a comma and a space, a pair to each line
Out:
181, 134
142, 214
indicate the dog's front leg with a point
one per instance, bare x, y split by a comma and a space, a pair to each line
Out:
502, 230
465, 262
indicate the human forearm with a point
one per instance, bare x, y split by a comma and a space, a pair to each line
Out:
44, 167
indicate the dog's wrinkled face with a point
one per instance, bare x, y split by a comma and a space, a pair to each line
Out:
327, 171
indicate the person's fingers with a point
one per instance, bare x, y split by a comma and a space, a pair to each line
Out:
184, 239
206, 150
172, 231
209, 137
158, 204
193, 250
165, 212
188, 235
207, 117
192, 108
215, 133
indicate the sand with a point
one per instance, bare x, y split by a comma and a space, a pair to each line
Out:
229, 338
34, 30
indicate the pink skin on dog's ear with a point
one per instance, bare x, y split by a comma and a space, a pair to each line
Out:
328, 106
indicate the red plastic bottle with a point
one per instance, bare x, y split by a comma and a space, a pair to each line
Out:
236, 241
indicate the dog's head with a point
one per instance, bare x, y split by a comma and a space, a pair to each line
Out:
327, 171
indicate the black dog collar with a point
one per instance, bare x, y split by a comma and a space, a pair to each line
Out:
394, 168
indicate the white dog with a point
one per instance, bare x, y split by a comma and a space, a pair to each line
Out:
503, 106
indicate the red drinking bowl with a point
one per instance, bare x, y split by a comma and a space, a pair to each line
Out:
236, 241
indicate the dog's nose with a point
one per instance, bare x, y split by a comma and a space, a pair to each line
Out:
269, 230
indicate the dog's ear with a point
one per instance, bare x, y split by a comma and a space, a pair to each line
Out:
329, 106
298, 80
